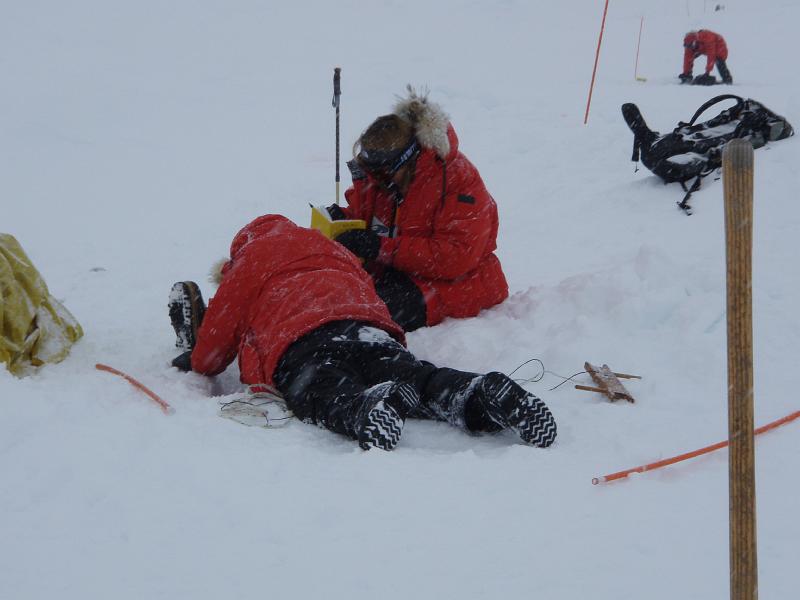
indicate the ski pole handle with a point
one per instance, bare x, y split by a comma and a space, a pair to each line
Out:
337, 86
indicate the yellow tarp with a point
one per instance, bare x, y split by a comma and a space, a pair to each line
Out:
35, 328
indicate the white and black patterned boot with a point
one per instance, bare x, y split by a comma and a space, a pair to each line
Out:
383, 413
509, 405
186, 311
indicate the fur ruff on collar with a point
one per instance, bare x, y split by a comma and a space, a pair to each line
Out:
429, 120
215, 273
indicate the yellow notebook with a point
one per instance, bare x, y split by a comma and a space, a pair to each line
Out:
321, 220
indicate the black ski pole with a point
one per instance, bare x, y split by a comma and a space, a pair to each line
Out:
337, 93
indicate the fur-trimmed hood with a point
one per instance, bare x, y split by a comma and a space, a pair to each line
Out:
431, 123
216, 270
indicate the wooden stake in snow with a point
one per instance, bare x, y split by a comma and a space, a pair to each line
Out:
607, 382
737, 178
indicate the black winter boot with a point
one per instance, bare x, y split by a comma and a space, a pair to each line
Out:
722, 67
445, 395
186, 311
383, 412
509, 405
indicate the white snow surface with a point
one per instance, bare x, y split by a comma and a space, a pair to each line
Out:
138, 137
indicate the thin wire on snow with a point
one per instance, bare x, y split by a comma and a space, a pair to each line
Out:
539, 376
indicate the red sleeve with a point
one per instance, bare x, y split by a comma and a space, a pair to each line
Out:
461, 231
356, 200
349, 196
688, 61
220, 333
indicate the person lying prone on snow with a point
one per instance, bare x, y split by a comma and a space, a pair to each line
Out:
303, 316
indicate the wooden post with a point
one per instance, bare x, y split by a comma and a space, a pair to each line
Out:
737, 171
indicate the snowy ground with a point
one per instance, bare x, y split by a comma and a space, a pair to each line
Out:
138, 137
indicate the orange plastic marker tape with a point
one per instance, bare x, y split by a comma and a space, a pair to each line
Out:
670, 461
168, 410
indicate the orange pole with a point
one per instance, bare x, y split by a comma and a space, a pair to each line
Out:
168, 410
700, 452
596, 59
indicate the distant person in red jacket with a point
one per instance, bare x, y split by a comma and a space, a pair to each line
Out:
431, 224
303, 315
713, 46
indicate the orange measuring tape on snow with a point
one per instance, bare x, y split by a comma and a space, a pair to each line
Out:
700, 452
168, 410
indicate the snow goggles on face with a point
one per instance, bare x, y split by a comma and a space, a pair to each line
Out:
692, 45
383, 164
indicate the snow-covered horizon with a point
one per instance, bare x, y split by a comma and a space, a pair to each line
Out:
138, 138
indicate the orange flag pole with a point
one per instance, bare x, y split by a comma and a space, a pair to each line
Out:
165, 407
700, 452
596, 59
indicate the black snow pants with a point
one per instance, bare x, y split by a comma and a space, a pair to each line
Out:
323, 375
722, 67
403, 298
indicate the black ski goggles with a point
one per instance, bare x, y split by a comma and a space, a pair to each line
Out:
383, 164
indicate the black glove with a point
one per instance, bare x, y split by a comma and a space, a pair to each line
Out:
364, 243
685, 77
183, 362
704, 79
336, 212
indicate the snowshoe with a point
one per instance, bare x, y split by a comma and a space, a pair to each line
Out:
384, 413
510, 406
704, 79
186, 311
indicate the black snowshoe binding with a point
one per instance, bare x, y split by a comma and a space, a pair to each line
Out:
186, 311
510, 406
383, 414
704, 79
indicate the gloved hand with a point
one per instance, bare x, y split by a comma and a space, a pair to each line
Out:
364, 243
336, 212
704, 79
685, 77
183, 362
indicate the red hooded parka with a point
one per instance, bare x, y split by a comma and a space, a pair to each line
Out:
281, 282
709, 43
444, 232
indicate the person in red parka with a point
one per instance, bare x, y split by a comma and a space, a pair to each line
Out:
302, 315
714, 47
431, 224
